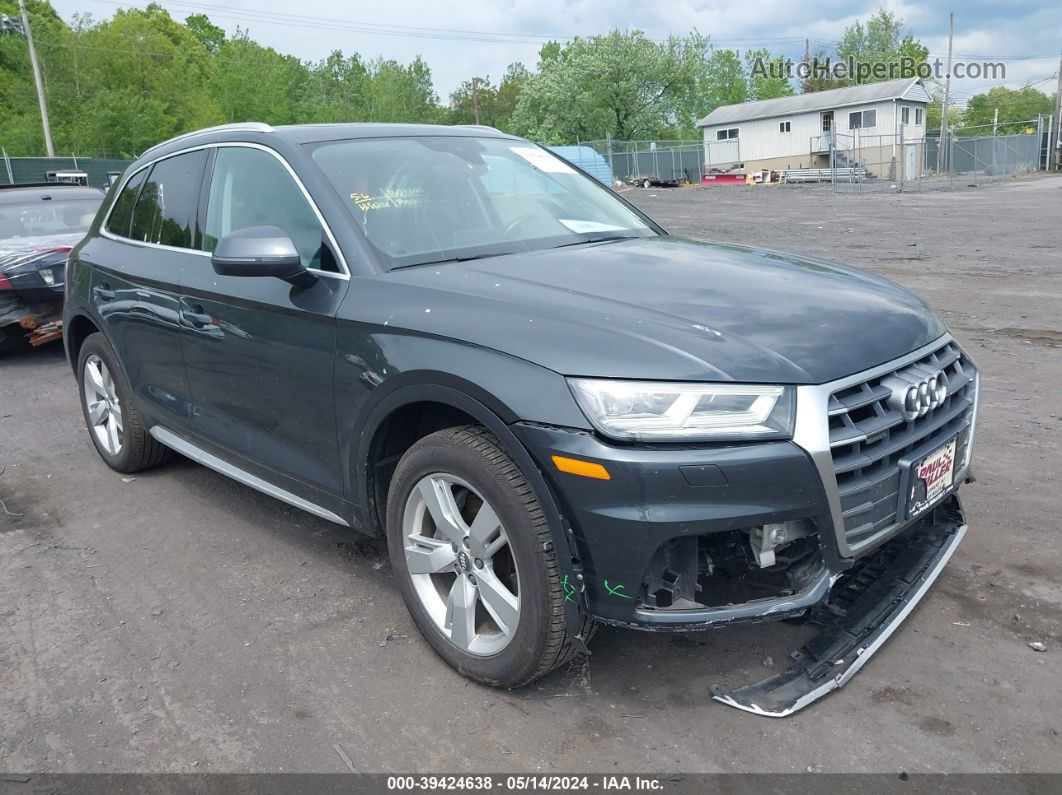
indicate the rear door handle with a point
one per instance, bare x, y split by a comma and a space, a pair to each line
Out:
104, 292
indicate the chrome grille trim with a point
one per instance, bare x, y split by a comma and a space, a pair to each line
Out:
817, 408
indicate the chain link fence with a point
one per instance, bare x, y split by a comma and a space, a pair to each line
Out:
655, 162
971, 156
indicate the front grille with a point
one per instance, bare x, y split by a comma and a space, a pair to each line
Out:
868, 440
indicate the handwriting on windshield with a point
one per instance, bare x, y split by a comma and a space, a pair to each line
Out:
402, 197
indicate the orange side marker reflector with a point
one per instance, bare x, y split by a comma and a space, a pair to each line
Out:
587, 469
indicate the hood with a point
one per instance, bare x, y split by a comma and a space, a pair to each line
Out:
666, 308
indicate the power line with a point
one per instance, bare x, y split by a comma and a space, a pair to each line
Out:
405, 31
1024, 83
374, 28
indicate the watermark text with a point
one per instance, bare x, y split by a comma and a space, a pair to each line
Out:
860, 71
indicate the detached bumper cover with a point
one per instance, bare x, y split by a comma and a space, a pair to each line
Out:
866, 605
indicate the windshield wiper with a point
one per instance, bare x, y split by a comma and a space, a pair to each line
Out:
605, 239
465, 258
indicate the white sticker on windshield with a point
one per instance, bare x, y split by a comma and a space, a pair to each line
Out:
580, 227
543, 160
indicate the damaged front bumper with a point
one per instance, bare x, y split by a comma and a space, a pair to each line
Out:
865, 606
663, 545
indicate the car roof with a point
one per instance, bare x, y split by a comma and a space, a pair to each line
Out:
21, 195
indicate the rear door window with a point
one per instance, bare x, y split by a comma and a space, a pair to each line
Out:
122, 213
165, 213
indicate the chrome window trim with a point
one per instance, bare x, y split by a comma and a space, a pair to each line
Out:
812, 434
219, 145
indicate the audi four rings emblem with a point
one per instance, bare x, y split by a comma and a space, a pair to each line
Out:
916, 392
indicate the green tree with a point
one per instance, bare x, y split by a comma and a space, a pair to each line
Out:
145, 77
475, 97
1016, 106
397, 93
509, 90
622, 84
495, 103
20, 121
881, 40
255, 83
769, 81
933, 113
206, 32
725, 81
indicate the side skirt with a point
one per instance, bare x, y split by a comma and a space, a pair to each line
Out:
189, 450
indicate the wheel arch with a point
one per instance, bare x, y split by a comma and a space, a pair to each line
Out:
466, 402
77, 329
414, 409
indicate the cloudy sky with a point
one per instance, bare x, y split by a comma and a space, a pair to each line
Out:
463, 39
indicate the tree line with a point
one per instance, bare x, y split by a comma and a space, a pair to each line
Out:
117, 86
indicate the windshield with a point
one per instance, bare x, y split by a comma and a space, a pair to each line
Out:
54, 217
435, 199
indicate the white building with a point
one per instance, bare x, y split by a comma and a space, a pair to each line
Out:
880, 126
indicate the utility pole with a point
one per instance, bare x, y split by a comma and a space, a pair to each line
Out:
1055, 145
475, 98
807, 61
947, 88
995, 122
37, 79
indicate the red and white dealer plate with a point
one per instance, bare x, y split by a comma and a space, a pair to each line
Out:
937, 472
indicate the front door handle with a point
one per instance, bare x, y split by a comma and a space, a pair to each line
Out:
195, 316
103, 292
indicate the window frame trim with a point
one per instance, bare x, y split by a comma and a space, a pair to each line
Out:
104, 232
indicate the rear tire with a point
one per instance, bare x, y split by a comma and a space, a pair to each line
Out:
115, 426
468, 464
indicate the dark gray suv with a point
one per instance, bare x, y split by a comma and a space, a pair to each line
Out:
557, 414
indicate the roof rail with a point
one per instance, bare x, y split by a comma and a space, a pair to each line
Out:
478, 127
243, 126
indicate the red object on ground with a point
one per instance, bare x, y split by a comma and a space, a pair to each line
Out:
723, 179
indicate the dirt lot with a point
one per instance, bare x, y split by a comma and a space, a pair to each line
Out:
177, 621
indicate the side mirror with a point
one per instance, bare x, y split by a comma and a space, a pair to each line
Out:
261, 251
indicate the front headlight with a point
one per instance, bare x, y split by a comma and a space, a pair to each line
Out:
648, 411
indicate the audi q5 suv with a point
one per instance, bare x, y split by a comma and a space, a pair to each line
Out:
554, 413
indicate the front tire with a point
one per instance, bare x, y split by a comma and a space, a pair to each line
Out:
469, 544
115, 426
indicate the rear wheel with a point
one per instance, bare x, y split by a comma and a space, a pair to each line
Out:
115, 426
469, 544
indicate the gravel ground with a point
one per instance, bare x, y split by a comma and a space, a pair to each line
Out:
177, 621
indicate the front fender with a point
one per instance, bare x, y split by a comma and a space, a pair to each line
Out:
378, 374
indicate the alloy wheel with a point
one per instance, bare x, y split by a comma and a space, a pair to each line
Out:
461, 564
102, 405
